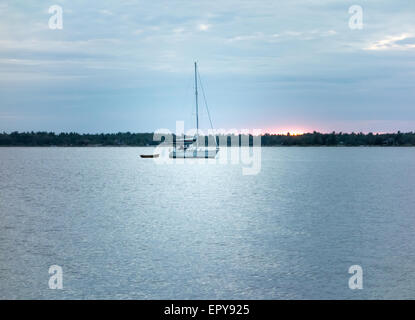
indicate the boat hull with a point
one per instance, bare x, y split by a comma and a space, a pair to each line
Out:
204, 154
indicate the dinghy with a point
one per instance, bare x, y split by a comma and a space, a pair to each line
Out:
149, 155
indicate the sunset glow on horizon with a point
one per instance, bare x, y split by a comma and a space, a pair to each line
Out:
292, 131
301, 131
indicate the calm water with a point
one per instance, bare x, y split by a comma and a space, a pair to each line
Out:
125, 227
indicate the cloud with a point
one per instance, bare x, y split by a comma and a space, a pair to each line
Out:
6, 116
293, 33
3, 6
255, 36
203, 27
329, 33
404, 41
287, 35
105, 12
178, 30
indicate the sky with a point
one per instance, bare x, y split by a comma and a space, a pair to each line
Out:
272, 65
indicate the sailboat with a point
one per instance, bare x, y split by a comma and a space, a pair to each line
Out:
189, 147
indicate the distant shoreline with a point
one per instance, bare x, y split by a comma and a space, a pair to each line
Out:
128, 139
281, 146
262, 146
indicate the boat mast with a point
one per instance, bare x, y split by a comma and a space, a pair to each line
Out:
197, 109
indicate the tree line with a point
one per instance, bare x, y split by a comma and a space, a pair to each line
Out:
146, 139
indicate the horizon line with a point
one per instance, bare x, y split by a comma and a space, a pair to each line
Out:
240, 132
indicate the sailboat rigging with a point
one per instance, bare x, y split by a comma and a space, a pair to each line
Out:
186, 148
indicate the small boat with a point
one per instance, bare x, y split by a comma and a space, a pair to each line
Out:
149, 156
